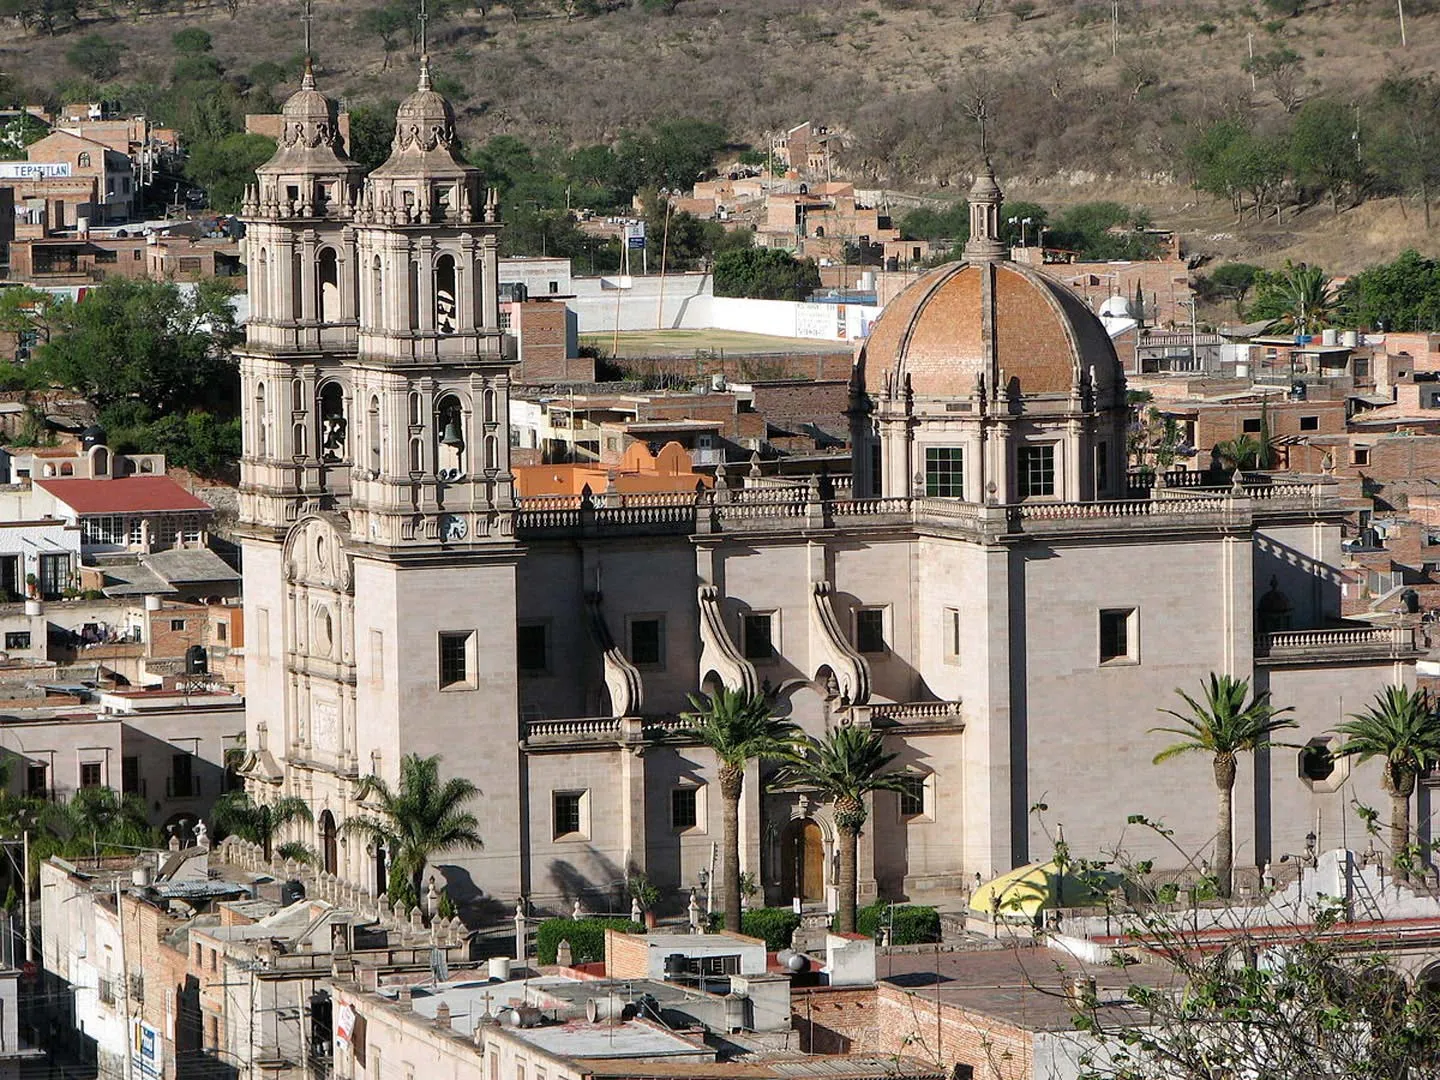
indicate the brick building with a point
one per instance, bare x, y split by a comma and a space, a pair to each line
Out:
79, 180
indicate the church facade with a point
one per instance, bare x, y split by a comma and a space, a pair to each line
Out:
987, 590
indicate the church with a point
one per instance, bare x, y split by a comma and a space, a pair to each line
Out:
989, 589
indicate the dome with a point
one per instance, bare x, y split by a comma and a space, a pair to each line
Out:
424, 126
935, 333
309, 141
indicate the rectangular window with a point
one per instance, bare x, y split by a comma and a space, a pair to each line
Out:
569, 810
130, 775
177, 625
1309, 423
11, 581
757, 632
182, 775
912, 796
945, 472
870, 630
684, 807
876, 463
54, 575
221, 631
531, 648
456, 668
950, 627
1117, 635
89, 774
1037, 471
1360, 455
136, 531
1251, 426
646, 642
17, 639
37, 780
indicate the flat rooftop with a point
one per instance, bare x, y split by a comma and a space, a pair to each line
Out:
1024, 986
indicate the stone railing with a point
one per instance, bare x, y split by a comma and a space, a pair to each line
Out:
592, 727
772, 508
910, 714
1337, 643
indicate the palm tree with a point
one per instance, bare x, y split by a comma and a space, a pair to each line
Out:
1303, 295
100, 818
260, 823
737, 726
419, 819
1402, 727
1223, 727
845, 766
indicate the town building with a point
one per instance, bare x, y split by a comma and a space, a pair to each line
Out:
69, 181
991, 592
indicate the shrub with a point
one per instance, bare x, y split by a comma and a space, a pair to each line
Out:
586, 937
775, 924
913, 925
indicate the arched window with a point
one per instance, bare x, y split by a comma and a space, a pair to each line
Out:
262, 441
67, 469
414, 295
83, 162
449, 438
377, 293
446, 310
297, 395
99, 461
327, 841
416, 410
297, 435
261, 301
372, 426
489, 406
492, 453
296, 308
477, 283
332, 423
417, 455
328, 283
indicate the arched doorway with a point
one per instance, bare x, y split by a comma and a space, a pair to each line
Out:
382, 869
802, 861
327, 841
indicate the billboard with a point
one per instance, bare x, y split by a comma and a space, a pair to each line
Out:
33, 170
635, 235
147, 1052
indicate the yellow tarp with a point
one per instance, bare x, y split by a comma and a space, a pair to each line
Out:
1029, 889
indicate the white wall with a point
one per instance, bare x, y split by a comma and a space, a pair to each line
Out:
688, 302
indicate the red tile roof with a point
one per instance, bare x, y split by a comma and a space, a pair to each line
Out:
130, 494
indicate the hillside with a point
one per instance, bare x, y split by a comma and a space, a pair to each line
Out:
901, 79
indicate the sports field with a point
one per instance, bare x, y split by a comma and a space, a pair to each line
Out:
688, 342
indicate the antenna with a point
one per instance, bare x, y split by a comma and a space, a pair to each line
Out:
424, 18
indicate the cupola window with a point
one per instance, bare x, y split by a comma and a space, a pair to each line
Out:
446, 312
329, 285
450, 438
332, 423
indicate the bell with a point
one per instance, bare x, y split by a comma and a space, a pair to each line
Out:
451, 437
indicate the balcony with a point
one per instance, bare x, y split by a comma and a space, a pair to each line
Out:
1290, 647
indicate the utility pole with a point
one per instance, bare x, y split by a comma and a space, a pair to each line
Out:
29, 934
1250, 42
124, 967
1114, 27
1400, 6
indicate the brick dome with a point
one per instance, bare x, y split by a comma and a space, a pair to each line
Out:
1039, 335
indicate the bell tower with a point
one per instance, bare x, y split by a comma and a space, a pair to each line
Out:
431, 373
300, 240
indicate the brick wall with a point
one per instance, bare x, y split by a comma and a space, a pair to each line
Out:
626, 956
1220, 423
817, 365
990, 1048
838, 1021
540, 326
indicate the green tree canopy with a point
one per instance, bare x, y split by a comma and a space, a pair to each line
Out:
765, 274
1296, 299
1232, 281
1405, 146
1400, 296
1324, 154
96, 56
192, 41
262, 823
225, 165
19, 133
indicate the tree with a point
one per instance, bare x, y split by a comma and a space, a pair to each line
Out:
100, 819
666, 6
1281, 68
222, 167
1324, 153
1233, 281
1400, 727
384, 23
95, 55
27, 314
1400, 296
419, 819
847, 765
765, 274
372, 127
192, 41
1296, 299
146, 341
737, 726
262, 823
1405, 147
18, 133
1223, 726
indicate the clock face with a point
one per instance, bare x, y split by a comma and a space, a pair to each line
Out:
452, 528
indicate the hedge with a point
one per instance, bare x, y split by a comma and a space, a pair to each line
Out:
775, 924
913, 925
586, 937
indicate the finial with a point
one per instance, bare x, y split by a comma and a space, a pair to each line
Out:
424, 71
309, 81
